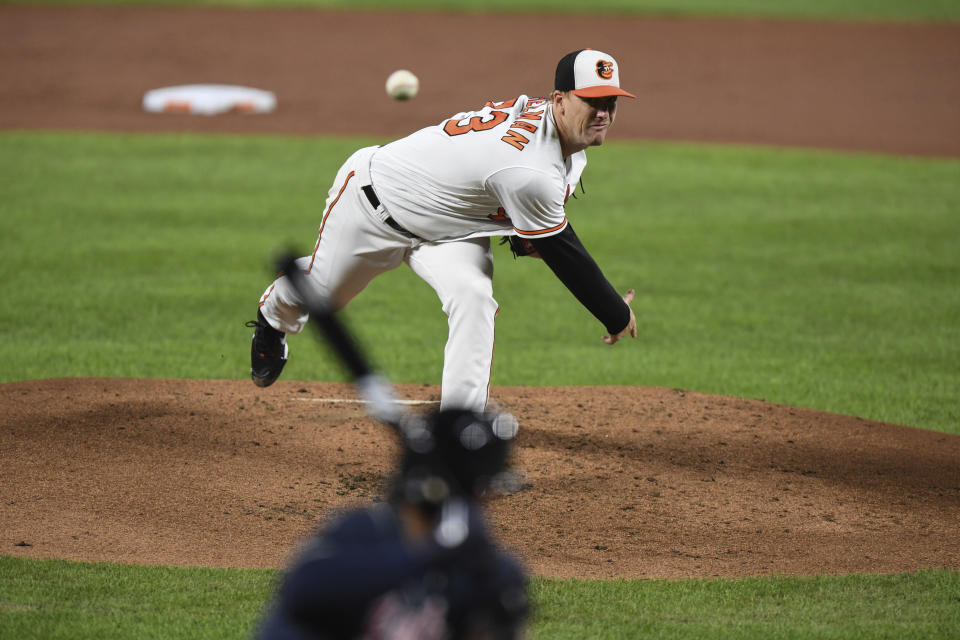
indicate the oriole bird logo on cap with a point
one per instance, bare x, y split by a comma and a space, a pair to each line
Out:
605, 69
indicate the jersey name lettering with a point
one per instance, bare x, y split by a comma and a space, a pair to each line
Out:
520, 124
515, 139
533, 111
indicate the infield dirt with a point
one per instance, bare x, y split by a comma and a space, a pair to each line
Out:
873, 87
622, 481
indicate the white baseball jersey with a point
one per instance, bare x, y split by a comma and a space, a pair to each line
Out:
496, 171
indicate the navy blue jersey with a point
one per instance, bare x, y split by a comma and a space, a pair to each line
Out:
360, 579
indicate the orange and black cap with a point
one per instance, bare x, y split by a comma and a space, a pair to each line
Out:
589, 74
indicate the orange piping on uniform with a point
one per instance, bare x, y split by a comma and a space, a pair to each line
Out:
324, 221
263, 300
540, 232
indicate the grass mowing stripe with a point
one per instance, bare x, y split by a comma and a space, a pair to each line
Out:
788, 9
58, 599
815, 279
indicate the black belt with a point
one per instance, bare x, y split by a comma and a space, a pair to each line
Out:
390, 222
371, 196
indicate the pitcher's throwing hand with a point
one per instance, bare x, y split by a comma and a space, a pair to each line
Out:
631, 328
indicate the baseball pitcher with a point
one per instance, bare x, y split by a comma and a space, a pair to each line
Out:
433, 200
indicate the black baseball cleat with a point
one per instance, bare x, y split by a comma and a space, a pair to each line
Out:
268, 352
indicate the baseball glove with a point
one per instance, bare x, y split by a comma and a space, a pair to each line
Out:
521, 247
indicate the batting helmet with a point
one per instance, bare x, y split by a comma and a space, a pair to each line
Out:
454, 453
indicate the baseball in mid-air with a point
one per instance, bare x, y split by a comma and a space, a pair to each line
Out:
402, 85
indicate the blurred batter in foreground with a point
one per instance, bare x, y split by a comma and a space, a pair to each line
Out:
420, 566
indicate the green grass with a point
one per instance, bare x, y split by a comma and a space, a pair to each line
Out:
817, 279
922, 605
922, 10
148, 253
53, 599
821, 280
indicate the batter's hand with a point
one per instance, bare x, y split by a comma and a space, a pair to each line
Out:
631, 328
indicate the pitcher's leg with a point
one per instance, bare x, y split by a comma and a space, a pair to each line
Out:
280, 304
352, 248
462, 275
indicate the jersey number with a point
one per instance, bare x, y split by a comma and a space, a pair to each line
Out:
476, 123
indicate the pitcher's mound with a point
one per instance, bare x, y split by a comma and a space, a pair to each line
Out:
618, 481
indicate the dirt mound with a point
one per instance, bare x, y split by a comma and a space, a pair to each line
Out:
621, 481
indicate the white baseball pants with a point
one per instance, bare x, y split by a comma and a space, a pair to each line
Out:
355, 245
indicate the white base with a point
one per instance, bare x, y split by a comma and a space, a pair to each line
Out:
209, 99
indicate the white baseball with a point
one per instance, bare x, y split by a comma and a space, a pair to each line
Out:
402, 85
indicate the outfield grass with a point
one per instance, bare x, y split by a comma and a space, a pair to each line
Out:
822, 280
54, 599
919, 10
